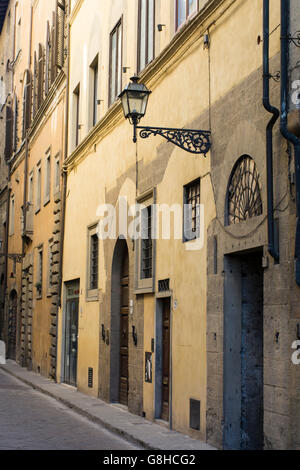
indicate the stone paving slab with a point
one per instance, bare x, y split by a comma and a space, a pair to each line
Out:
134, 428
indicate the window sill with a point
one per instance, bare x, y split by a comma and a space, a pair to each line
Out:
46, 202
37, 211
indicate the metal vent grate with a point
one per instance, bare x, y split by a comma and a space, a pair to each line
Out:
164, 285
90, 377
195, 414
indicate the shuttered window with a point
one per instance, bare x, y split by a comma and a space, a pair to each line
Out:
15, 125
53, 69
8, 133
40, 85
146, 33
115, 76
47, 59
60, 27
26, 103
35, 86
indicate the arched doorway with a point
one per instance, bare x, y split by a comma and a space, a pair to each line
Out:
119, 324
12, 325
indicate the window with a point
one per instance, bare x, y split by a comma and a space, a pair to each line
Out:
40, 76
115, 76
39, 273
26, 103
38, 187
29, 213
192, 211
94, 92
76, 107
49, 270
12, 216
56, 175
93, 264
146, 33
47, 177
145, 244
184, 9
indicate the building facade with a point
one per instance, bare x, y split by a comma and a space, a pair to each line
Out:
138, 272
35, 152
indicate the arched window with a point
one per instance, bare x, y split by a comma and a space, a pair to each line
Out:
243, 199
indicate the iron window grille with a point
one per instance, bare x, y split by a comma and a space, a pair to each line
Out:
192, 210
243, 194
146, 243
94, 262
163, 285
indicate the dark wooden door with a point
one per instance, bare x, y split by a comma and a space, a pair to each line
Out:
124, 310
166, 361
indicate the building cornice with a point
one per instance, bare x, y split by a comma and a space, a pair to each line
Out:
75, 11
185, 41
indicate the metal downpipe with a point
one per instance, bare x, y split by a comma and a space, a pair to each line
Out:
269, 131
285, 16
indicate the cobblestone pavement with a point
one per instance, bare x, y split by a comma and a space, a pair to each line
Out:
30, 420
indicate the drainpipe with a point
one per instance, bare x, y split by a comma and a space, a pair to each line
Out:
285, 16
6, 262
25, 194
269, 131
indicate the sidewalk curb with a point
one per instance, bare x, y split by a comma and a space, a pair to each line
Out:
125, 435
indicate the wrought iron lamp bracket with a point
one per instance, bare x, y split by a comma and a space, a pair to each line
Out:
190, 140
295, 38
275, 76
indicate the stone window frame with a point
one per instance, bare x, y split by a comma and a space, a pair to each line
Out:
144, 286
92, 295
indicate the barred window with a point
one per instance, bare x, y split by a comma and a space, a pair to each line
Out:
94, 246
192, 210
146, 243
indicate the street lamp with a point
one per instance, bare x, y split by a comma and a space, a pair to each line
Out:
134, 99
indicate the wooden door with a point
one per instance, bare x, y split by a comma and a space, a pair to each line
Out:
166, 361
124, 310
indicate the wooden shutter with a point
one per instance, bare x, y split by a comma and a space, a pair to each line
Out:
53, 48
60, 31
34, 91
9, 133
47, 62
26, 103
15, 124
28, 88
40, 86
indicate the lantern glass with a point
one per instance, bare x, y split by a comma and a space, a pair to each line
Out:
134, 100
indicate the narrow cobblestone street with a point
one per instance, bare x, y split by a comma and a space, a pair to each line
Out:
32, 421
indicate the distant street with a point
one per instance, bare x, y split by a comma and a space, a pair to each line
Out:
30, 420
